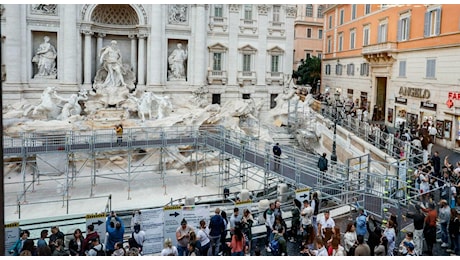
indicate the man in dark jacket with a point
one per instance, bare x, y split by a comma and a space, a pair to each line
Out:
322, 163
55, 235
277, 155
216, 227
419, 219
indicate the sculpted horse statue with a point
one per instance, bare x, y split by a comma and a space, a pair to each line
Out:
47, 105
144, 105
164, 105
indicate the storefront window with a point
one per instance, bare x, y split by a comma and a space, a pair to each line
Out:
447, 129
439, 129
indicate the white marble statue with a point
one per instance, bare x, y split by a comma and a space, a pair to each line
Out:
176, 62
71, 106
114, 80
47, 106
164, 105
144, 105
45, 57
111, 60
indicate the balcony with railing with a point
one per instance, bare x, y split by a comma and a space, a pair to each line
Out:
277, 28
383, 47
380, 52
218, 22
272, 76
248, 25
217, 77
247, 76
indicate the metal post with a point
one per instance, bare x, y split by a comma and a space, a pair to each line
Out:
334, 145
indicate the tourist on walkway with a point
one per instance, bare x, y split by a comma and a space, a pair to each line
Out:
362, 249
90, 234
375, 233
235, 220
454, 232
315, 205
429, 231
115, 229
76, 244
382, 248
277, 155
307, 227
326, 227
419, 219
203, 236
361, 222
216, 228
246, 224
295, 222
55, 235
238, 243
41, 241
322, 163
169, 249
269, 221
390, 234
350, 240
119, 133
183, 237
444, 218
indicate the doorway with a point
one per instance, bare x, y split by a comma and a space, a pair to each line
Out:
379, 108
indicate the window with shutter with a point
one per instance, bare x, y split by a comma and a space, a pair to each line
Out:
431, 68
352, 39
366, 31
402, 68
432, 25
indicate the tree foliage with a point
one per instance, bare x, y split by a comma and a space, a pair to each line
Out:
309, 72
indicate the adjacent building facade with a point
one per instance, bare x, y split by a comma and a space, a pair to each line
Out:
308, 32
232, 51
401, 62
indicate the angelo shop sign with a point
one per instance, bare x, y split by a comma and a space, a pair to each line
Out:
415, 92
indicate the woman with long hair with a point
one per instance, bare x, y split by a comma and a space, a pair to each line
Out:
238, 242
75, 244
390, 234
382, 248
350, 240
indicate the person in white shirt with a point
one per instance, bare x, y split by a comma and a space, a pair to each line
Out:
203, 236
432, 132
169, 249
326, 227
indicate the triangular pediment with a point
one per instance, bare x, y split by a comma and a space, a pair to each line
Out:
247, 49
275, 50
217, 47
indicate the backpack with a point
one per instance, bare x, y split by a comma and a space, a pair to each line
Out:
99, 252
275, 247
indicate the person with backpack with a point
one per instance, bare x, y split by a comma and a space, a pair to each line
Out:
137, 237
97, 248
278, 245
277, 155
322, 163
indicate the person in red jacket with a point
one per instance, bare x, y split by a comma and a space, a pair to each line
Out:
429, 231
90, 235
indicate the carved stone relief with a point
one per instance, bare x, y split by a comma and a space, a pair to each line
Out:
44, 9
263, 9
234, 8
177, 14
291, 11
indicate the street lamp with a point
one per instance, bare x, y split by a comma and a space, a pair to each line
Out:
338, 106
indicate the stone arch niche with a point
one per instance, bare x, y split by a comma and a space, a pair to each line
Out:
101, 26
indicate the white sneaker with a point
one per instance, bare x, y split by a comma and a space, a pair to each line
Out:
444, 245
448, 250
439, 240
268, 249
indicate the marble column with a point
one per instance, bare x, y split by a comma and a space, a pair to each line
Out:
141, 60
14, 44
133, 53
67, 68
87, 59
99, 45
198, 72
157, 50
